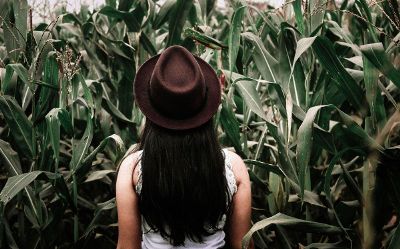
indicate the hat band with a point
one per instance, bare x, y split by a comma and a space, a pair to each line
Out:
176, 113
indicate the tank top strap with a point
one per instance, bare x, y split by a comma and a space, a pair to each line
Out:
138, 186
230, 177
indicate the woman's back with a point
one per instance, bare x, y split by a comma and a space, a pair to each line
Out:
153, 239
185, 183
130, 220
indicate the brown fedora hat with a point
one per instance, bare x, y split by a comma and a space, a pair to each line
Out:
177, 90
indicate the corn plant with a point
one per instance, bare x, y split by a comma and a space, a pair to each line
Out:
317, 102
55, 139
310, 103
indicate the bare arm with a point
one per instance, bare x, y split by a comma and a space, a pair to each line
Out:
129, 223
240, 219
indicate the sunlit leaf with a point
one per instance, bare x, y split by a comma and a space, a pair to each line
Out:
375, 53
263, 59
16, 183
290, 222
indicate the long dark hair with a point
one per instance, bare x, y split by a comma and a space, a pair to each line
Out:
184, 190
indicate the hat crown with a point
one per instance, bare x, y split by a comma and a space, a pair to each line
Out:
177, 88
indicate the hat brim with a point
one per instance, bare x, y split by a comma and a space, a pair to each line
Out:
213, 97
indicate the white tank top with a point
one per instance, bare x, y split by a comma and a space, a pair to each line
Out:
153, 240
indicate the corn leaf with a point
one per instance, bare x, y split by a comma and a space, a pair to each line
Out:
82, 146
16, 183
290, 222
10, 158
234, 36
375, 53
265, 62
21, 126
177, 19
329, 60
395, 241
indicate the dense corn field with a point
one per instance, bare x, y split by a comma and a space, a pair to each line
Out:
310, 102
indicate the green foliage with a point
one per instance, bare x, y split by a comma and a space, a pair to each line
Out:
310, 103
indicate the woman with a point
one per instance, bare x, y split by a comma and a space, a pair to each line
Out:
179, 189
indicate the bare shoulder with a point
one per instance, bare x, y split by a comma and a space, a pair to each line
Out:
239, 167
127, 171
